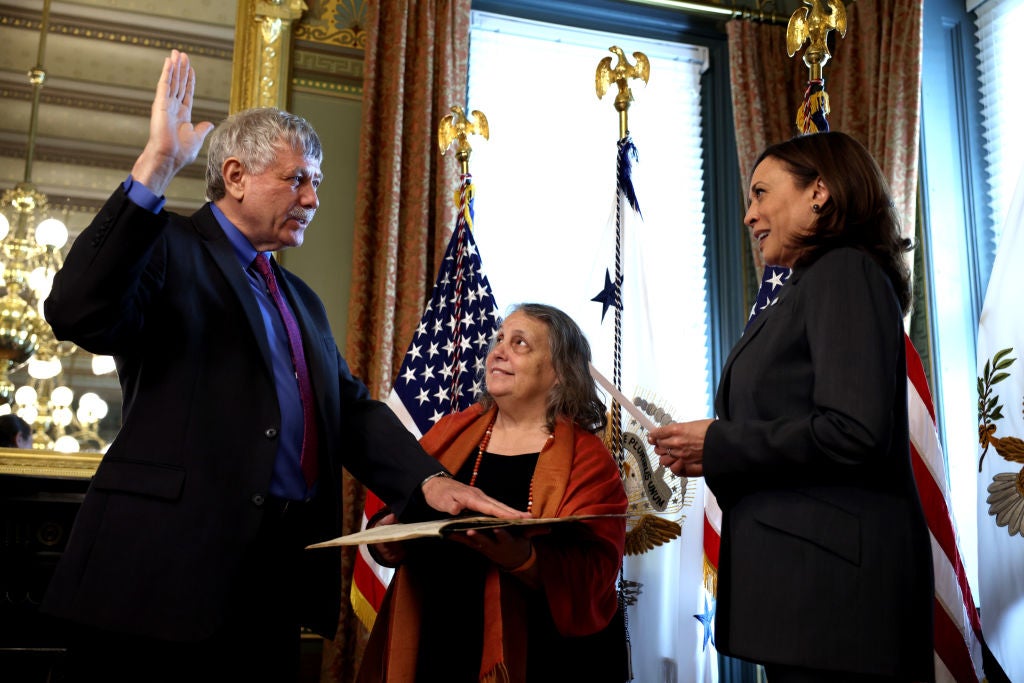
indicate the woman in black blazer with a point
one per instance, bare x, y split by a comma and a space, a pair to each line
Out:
825, 569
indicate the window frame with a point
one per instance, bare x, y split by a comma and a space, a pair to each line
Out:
951, 193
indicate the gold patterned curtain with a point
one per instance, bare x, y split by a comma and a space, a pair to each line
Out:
415, 70
873, 82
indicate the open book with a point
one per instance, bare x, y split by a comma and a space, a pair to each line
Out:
441, 527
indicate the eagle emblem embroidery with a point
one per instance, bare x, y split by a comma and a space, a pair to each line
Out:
1006, 492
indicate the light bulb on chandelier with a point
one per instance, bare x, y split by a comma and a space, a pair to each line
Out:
51, 232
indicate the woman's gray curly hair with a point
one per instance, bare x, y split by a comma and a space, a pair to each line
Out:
575, 396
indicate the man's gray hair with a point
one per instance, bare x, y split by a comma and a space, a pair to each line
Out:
254, 137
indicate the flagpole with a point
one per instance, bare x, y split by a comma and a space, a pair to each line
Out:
620, 74
437, 376
456, 128
812, 26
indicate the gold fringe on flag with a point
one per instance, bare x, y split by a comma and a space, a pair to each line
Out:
362, 608
710, 577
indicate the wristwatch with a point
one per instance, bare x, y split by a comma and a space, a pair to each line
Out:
444, 474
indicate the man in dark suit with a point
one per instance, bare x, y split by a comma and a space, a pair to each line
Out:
187, 558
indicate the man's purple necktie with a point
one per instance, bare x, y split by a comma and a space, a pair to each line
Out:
308, 457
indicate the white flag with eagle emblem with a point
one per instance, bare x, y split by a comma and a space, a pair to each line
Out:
1001, 450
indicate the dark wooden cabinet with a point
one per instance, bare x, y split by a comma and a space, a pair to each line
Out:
40, 494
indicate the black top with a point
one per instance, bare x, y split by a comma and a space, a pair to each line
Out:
551, 657
442, 563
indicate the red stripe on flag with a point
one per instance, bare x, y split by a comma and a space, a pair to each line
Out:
915, 373
949, 646
934, 503
953, 639
940, 521
942, 529
712, 541
369, 585
365, 582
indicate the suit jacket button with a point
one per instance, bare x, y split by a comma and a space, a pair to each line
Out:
258, 500
271, 433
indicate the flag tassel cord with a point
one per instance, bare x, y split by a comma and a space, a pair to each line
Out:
723, 11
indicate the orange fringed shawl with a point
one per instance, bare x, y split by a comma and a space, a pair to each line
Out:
575, 475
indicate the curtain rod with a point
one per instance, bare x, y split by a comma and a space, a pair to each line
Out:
724, 11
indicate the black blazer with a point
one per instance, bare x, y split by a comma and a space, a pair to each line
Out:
825, 558
181, 490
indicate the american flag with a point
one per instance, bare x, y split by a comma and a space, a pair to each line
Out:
441, 372
957, 626
772, 279
958, 650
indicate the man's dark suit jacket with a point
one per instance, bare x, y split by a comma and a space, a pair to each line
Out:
182, 489
825, 559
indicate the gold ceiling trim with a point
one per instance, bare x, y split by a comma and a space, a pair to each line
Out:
100, 103
328, 71
320, 87
337, 23
66, 153
346, 37
78, 205
329, 63
80, 27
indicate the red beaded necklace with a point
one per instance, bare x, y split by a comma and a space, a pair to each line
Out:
480, 456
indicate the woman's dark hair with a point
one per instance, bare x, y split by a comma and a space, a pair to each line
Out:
10, 427
859, 212
575, 395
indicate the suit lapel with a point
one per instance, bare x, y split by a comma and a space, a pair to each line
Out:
223, 254
722, 398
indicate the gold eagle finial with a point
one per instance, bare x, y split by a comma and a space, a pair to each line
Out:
814, 25
456, 127
620, 75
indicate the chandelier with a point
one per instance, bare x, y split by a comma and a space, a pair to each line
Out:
30, 254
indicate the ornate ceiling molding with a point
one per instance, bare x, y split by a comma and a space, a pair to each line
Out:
81, 153
97, 100
339, 23
170, 34
327, 71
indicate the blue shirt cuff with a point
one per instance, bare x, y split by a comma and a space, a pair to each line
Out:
143, 196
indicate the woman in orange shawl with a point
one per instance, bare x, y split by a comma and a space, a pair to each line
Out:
507, 605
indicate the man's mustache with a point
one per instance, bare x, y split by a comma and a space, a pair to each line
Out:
304, 215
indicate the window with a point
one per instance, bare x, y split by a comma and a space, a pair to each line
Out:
545, 192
